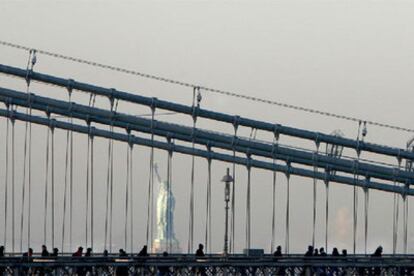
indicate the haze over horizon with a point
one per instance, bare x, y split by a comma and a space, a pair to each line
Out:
348, 57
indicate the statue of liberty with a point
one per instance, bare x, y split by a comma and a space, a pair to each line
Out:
165, 239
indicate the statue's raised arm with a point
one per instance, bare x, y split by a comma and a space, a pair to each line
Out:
157, 173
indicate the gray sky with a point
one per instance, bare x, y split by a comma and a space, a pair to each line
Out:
349, 57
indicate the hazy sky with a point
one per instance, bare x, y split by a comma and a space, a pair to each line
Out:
350, 57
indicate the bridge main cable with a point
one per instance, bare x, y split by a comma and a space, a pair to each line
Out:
166, 105
289, 170
11, 97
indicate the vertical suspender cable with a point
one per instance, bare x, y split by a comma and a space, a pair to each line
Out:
355, 205
315, 170
89, 177
366, 206
23, 187
169, 204
405, 217
65, 189
108, 187
131, 147
29, 182
168, 200
396, 205
355, 193
71, 179
46, 186
111, 182
396, 208
126, 200
287, 234
208, 205
274, 154
233, 208
28, 112
170, 183
150, 182
13, 184
111, 195
248, 218
92, 184
326, 212
33, 61
87, 189
6, 181
233, 195
68, 178
53, 185
71, 190
191, 219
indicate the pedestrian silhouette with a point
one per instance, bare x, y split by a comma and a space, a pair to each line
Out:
378, 252
55, 252
309, 253
143, 252
29, 253
278, 252
122, 253
45, 253
79, 252
335, 252
344, 253
88, 252
105, 253
200, 251
315, 252
322, 252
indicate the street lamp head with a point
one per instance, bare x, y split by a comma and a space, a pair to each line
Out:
227, 178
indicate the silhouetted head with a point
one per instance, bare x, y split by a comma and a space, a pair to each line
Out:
2, 248
89, 250
165, 254
378, 251
44, 247
321, 249
30, 251
105, 253
310, 248
80, 248
200, 246
55, 250
279, 248
344, 252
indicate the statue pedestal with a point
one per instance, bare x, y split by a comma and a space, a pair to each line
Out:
159, 246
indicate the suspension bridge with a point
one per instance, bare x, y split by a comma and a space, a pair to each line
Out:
324, 163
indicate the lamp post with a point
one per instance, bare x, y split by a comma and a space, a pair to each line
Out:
227, 179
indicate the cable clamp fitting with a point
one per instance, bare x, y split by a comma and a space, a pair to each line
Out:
52, 124
236, 122
288, 168
153, 106
131, 138
91, 131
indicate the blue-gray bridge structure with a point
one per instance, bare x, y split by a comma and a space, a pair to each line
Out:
328, 167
